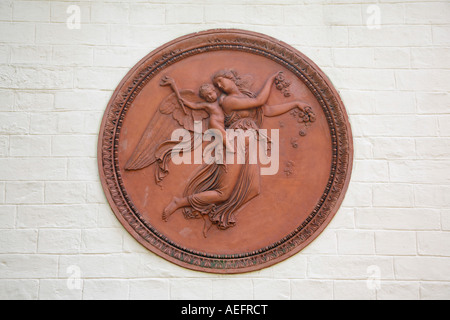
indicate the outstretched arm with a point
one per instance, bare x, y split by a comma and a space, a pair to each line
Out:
277, 110
239, 103
168, 81
195, 106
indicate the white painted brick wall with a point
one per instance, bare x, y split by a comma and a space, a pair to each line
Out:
55, 224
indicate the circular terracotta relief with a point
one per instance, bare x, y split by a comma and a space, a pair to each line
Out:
225, 151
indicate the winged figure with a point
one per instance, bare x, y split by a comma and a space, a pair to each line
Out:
156, 145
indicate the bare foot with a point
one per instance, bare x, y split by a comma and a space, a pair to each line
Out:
171, 208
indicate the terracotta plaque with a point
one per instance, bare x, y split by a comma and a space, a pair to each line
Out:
225, 151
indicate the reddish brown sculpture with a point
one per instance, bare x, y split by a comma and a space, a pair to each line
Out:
219, 215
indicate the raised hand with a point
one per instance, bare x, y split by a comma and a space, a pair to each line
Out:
167, 81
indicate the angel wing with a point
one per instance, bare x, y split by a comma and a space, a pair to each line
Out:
156, 142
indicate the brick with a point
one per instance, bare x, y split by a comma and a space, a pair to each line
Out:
358, 102
427, 13
30, 146
445, 216
430, 58
74, 146
118, 56
70, 122
24, 192
239, 289
390, 36
433, 148
353, 57
38, 169
4, 55
342, 15
265, 289
176, 14
432, 102
344, 219
44, 123
353, 290
363, 148
6, 10
2, 192
396, 125
31, 54
311, 290
355, 242
4, 146
18, 241
326, 243
398, 290
393, 195
320, 36
392, 58
266, 15
191, 289
394, 102
105, 289
371, 171
6, 100
33, 101
434, 290
82, 169
32, 77
294, 268
434, 243
397, 218
78, 100
423, 80
358, 195
19, 289
8, 216
55, 289
15, 32
304, 15
60, 12
147, 14
92, 266
67, 55
362, 79
149, 289
98, 78
107, 219
102, 240
225, 14
110, 13
395, 243
422, 268
59, 241
65, 192
423, 171
57, 216
348, 267
94, 193
444, 125
322, 56
89, 34
441, 35
393, 148
390, 14
14, 123
19, 266
31, 11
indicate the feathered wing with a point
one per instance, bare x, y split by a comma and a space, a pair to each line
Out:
156, 144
